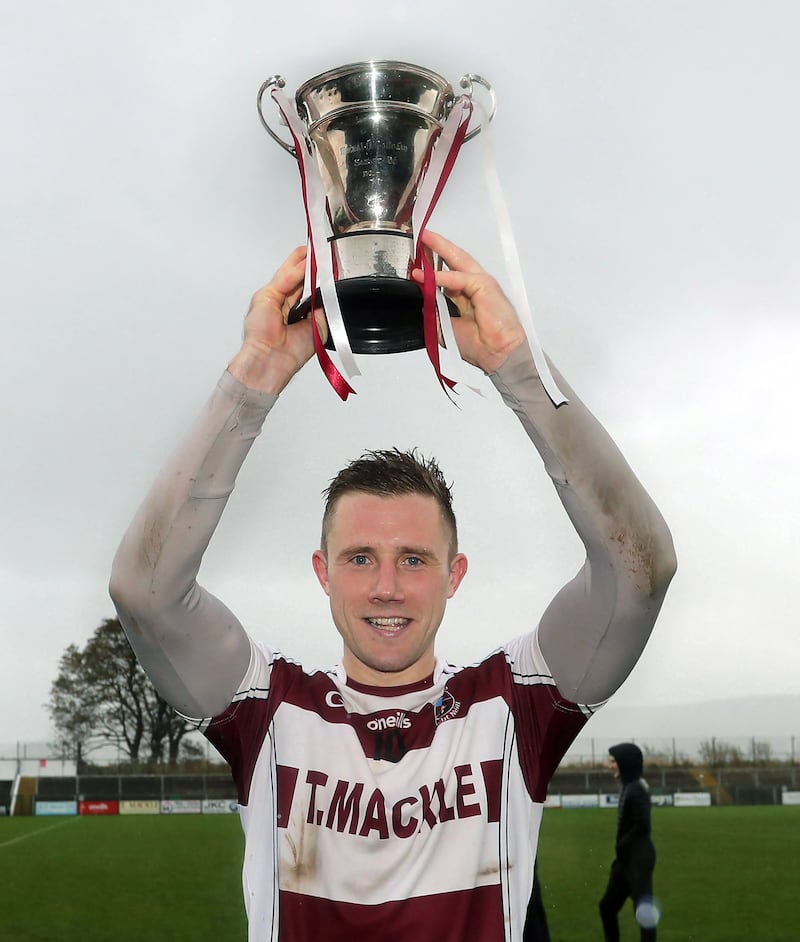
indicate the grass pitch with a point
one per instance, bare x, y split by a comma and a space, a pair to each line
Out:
158, 878
723, 875
729, 874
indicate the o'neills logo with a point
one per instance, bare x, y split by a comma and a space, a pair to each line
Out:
446, 708
399, 720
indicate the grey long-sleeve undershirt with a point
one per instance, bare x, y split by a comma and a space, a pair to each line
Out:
196, 652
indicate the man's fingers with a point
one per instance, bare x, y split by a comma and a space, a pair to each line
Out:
322, 324
461, 286
288, 278
286, 284
456, 282
454, 257
291, 272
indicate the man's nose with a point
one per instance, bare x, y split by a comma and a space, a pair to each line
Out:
386, 587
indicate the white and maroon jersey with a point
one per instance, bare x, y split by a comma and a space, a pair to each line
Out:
393, 814
409, 814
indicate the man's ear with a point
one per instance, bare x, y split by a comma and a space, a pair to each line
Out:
458, 569
320, 563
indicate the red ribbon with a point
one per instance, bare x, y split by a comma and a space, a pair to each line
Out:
340, 385
422, 260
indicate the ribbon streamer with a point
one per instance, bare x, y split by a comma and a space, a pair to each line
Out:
461, 372
321, 265
438, 171
519, 295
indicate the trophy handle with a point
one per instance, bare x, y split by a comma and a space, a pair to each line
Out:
466, 84
279, 81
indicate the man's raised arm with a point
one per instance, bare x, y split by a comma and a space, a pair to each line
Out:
596, 627
193, 648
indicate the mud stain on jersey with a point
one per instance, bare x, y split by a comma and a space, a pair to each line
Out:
299, 866
494, 869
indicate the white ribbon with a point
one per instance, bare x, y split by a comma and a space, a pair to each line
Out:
453, 366
426, 193
519, 295
316, 206
451, 363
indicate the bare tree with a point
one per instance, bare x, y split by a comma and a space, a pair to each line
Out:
717, 752
102, 697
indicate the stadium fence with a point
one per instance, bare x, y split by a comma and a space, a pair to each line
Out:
743, 771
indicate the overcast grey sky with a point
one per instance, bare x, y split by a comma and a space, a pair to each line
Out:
649, 152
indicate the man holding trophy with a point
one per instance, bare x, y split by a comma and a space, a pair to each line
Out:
396, 796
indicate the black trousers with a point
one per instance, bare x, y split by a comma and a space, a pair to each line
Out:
633, 879
536, 929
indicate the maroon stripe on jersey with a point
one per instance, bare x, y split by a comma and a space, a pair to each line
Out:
484, 681
398, 691
390, 734
475, 915
545, 722
287, 782
546, 725
492, 771
239, 732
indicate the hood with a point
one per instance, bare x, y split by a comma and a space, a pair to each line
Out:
629, 760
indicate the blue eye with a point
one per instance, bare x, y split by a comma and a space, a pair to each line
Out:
413, 561
360, 559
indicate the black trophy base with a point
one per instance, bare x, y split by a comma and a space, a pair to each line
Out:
381, 314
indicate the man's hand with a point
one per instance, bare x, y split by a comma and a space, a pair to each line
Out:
489, 328
273, 351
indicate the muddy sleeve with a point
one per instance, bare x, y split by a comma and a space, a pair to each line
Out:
192, 647
595, 629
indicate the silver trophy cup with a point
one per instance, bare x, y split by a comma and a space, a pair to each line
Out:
373, 126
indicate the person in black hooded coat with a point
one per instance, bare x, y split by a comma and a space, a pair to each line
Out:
632, 869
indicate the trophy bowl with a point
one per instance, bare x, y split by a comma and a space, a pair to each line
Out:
372, 127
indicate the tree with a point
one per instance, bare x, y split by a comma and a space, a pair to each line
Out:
717, 752
102, 697
762, 751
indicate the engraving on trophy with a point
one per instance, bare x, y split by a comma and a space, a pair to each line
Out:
373, 163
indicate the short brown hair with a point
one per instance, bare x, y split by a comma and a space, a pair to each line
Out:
392, 473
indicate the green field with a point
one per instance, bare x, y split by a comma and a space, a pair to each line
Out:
723, 875
729, 874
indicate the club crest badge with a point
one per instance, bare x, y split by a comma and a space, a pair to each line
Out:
446, 708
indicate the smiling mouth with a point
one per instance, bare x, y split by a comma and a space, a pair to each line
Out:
388, 624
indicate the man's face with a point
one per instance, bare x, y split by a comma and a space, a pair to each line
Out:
388, 573
612, 764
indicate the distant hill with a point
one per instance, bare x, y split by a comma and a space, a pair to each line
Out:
759, 717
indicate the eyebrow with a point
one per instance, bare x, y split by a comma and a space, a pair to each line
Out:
422, 551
